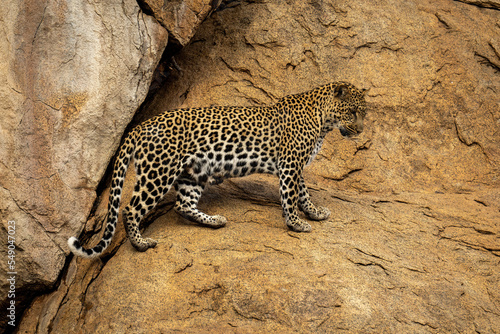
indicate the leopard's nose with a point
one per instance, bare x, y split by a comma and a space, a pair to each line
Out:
359, 128
359, 125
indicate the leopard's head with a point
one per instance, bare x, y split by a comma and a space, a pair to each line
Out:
345, 109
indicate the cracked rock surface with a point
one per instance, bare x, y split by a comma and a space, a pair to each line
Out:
413, 241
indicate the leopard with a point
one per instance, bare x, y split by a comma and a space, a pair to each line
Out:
190, 148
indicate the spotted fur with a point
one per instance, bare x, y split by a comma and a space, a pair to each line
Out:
189, 148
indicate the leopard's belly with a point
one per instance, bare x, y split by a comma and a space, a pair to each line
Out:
213, 167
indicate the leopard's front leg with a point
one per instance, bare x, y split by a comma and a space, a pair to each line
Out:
289, 191
312, 211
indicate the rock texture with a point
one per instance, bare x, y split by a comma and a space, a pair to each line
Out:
180, 17
72, 75
402, 263
483, 3
412, 245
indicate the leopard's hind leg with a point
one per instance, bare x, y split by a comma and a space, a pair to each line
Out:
188, 194
149, 189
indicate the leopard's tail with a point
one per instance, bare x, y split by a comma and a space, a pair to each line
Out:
120, 169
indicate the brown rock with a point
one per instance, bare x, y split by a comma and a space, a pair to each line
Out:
434, 106
180, 17
385, 263
484, 3
412, 245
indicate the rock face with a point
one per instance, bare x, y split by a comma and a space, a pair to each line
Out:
70, 84
431, 77
180, 17
412, 245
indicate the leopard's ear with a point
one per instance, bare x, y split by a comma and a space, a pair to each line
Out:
341, 91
